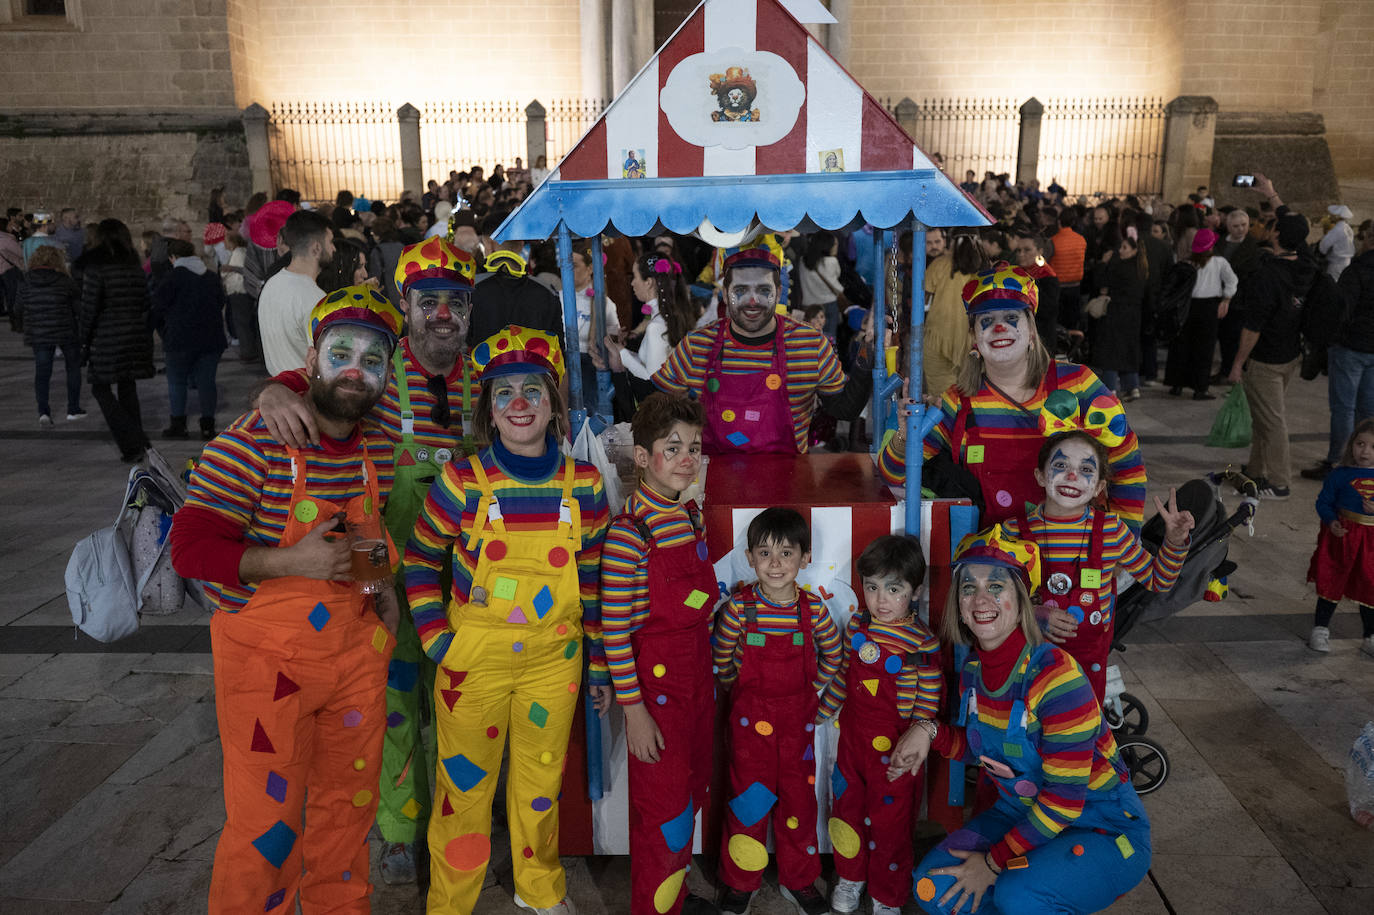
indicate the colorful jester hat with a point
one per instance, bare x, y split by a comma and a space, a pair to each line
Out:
361, 306
434, 264
992, 547
1000, 288
518, 351
1105, 419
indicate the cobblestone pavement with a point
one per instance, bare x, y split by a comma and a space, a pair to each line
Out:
110, 764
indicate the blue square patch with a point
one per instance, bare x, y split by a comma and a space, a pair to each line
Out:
738, 439
276, 843
752, 804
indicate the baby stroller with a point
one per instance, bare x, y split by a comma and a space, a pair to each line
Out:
1202, 578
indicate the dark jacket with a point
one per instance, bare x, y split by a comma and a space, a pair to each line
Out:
1160, 256
47, 304
1268, 298
1357, 288
1243, 256
187, 310
501, 299
114, 321
1116, 335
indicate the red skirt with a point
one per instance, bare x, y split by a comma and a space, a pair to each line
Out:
1344, 566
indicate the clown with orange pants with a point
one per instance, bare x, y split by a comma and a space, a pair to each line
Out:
300, 656
524, 526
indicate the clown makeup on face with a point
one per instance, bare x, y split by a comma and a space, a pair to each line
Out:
521, 410
350, 370
1003, 336
439, 324
673, 464
888, 597
751, 295
1072, 477
988, 603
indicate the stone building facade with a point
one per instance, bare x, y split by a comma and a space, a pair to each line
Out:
131, 106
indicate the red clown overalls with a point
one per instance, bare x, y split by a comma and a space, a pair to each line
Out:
772, 760
673, 661
750, 413
300, 682
870, 817
1003, 460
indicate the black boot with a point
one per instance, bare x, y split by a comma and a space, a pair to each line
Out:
207, 428
176, 428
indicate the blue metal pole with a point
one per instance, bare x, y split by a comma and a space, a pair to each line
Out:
601, 402
915, 367
577, 414
877, 415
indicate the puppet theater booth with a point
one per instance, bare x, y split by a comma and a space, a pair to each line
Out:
743, 123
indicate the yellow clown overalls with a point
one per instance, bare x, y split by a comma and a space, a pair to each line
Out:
299, 673
515, 668
403, 805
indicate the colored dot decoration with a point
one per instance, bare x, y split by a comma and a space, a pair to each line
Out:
306, 512
360, 764
493, 732
496, 550
843, 837
659, 670
518, 647
352, 718
546, 757
793, 822
882, 743
1078, 851
558, 557
763, 728
528, 852
562, 629
468, 852
748, 853
744, 722
540, 804
662, 700
773, 381
362, 798
665, 897
925, 889
728, 415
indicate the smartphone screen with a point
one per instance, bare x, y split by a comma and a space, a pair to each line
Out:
1243, 181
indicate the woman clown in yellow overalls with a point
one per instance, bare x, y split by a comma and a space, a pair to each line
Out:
524, 525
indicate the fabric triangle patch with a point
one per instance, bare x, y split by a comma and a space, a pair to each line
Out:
261, 743
871, 686
285, 687
405, 460
450, 696
517, 616
455, 677
446, 809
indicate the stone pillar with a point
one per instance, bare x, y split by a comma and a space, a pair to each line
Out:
536, 132
837, 36
1028, 140
593, 49
644, 34
255, 118
412, 163
1188, 137
622, 44
907, 113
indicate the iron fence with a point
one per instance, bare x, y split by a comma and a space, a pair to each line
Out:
977, 134
567, 119
320, 147
456, 135
1108, 146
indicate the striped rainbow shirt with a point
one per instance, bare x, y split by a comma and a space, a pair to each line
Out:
1125, 492
727, 642
920, 682
812, 368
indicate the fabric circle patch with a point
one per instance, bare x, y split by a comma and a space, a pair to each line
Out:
562, 629
518, 647
367, 504
572, 687
713, 385
793, 822
528, 852
748, 853
468, 852
1078, 851
659, 670
773, 381
546, 757
493, 732
360, 764
570, 650
362, 798
763, 728
843, 837
702, 553
662, 700
882, 744
352, 718
306, 512
665, 897
1003, 498
925, 889
744, 722
810, 727
893, 664
728, 415
540, 804
558, 557
496, 550
1025, 788
1076, 612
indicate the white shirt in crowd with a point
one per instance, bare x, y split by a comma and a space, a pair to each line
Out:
1216, 279
1339, 247
822, 285
653, 349
284, 319
233, 279
584, 319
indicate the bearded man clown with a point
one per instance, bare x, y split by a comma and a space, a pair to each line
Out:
300, 653
987, 441
1082, 547
522, 527
426, 413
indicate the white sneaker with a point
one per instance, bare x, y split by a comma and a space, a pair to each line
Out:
1320, 639
563, 908
880, 909
844, 898
1367, 646
45, 421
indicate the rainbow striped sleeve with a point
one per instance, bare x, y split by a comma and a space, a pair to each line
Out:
228, 479
448, 503
725, 640
675, 374
1064, 715
596, 517
1123, 550
624, 604
837, 690
826, 636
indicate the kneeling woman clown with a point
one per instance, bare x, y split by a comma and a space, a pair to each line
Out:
524, 525
1068, 833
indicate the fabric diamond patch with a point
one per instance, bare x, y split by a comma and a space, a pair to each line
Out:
276, 843
276, 787
463, 772
319, 616
543, 601
538, 714
696, 599
752, 804
275, 900
395, 720
379, 639
285, 687
738, 439
402, 676
837, 784
409, 809
261, 744
677, 832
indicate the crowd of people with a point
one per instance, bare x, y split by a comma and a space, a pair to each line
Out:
413, 582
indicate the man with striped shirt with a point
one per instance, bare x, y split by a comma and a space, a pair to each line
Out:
760, 375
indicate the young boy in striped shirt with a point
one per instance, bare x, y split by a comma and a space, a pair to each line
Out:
777, 648
889, 679
657, 593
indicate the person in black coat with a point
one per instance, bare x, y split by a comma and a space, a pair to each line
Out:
1115, 337
116, 342
187, 305
46, 305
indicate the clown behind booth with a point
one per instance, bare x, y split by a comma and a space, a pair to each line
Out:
300, 653
1067, 832
524, 527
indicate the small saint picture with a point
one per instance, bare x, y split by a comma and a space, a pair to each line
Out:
832, 160
735, 91
632, 163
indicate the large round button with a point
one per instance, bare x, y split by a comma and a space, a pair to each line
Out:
306, 512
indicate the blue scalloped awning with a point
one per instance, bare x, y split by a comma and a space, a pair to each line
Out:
731, 203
